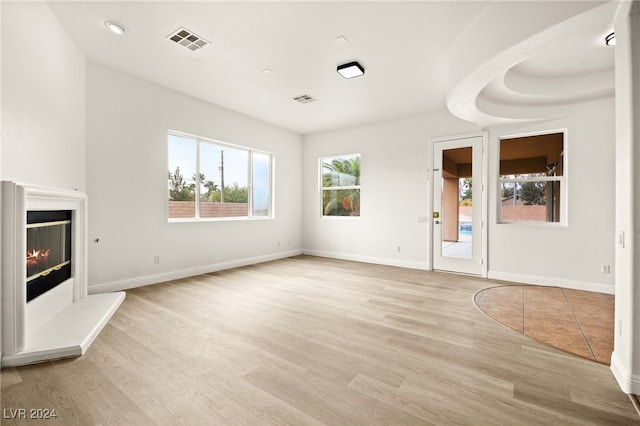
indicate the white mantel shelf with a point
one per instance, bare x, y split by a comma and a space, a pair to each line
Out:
69, 333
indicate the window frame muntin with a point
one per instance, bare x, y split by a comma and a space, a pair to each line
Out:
250, 151
322, 188
563, 179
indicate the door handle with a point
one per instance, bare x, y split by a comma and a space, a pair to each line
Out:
437, 222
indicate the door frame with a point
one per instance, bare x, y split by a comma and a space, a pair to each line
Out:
484, 135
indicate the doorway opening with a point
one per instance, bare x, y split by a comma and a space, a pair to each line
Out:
459, 205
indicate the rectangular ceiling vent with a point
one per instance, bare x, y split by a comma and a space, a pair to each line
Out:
187, 39
304, 99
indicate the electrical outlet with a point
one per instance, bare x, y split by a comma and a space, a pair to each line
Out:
398, 249
605, 269
156, 259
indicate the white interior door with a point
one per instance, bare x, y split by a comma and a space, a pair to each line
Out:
457, 205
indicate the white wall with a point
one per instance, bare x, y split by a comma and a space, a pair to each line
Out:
395, 190
43, 99
569, 256
625, 361
127, 124
43, 93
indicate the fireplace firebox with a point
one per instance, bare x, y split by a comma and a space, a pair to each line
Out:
48, 250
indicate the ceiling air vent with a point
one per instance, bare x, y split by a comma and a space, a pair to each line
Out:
304, 99
187, 39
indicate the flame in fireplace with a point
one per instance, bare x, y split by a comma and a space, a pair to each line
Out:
37, 256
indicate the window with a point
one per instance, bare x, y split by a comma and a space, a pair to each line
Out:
532, 181
340, 185
210, 179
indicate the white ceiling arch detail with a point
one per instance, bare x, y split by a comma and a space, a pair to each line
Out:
561, 88
501, 70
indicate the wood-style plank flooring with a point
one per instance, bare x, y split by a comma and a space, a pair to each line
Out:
310, 341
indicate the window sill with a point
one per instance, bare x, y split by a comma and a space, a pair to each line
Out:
219, 219
340, 217
534, 224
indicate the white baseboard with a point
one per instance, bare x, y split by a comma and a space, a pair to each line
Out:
368, 259
629, 383
502, 276
184, 273
551, 282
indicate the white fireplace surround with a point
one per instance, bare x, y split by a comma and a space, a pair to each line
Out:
64, 321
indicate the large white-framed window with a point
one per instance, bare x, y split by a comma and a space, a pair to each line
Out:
532, 178
210, 180
340, 185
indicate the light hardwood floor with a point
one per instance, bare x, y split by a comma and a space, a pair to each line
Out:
308, 341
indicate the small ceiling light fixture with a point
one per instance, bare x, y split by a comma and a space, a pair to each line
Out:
350, 70
115, 27
610, 40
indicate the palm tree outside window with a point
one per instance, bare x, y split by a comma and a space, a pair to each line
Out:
340, 185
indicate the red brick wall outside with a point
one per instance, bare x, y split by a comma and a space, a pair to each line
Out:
524, 213
178, 209
512, 213
186, 209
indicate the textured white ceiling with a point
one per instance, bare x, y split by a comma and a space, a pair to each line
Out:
404, 47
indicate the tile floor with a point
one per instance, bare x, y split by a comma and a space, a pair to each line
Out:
580, 322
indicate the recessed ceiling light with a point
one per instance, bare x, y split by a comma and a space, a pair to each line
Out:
115, 27
350, 70
266, 71
610, 39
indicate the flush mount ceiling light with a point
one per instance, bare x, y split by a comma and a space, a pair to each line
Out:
115, 27
610, 40
350, 70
